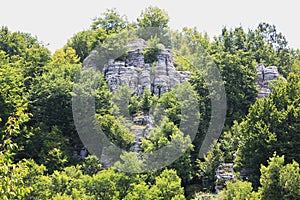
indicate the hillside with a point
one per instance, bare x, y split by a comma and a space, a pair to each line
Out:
136, 110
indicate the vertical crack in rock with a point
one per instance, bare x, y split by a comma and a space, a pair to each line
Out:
264, 76
158, 77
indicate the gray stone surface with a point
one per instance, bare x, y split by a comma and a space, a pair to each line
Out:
264, 76
158, 77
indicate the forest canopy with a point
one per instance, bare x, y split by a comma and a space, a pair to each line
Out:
42, 155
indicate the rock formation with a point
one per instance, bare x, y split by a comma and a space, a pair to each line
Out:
158, 77
224, 173
264, 76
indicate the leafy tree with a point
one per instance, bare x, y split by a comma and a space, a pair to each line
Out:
134, 104
103, 97
111, 21
270, 178
153, 17
54, 149
270, 47
152, 50
270, 126
239, 82
167, 186
201, 87
229, 142
23, 46
146, 101
139, 191
171, 107
163, 135
116, 130
130, 163
290, 180
50, 97
91, 165
13, 175
12, 179
67, 183
279, 181
85, 41
237, 67
237, 190
208, 167
12, 86
103, 185
120, 99
295, 68
153, 22
64, 57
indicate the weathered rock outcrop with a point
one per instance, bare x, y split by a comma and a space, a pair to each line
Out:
264, 76
158, 77
224, 173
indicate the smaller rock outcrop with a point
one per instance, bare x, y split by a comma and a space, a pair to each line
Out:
264, 76
224, 173
143, 124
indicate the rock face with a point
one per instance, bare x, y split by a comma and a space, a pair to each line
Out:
264, 76
224, 173
158, 77
142, 127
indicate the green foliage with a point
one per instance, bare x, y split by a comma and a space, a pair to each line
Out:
116, 130
12, 86
153, 22
229, 142
270, 178
134, 104
187, 45
270, 47
271, 125
279, 181
67, 183
91, 165
130, 163
152, 50
290, 180
153, 17
120, 99
139, 191
23, 45
167, 186
12, 175
237, 190
114, 47
171, 107
64, 57
182, 63
85, 41
50, 97
207, 167
36, 118
12, 184
110, 21
146, 101
163, 135
104, 185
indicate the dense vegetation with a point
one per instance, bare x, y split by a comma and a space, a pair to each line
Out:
38, 135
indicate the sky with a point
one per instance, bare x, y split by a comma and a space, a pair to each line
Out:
56, 21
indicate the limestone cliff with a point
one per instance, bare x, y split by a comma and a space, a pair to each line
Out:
158, 77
